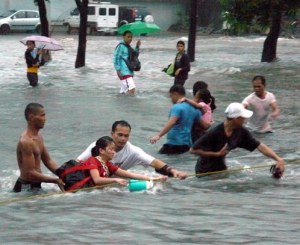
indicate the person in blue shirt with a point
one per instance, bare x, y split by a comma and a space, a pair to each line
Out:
178, 128
120, 56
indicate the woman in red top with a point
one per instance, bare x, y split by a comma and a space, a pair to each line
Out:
102, 153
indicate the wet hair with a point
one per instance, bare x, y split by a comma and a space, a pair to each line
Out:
181, 42
126, 32
199, 85
212, 104
121, 123
261, 78
206, 97
32, 108
177, 89
101, 143
29, 41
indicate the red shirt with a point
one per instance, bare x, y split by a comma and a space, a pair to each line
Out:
104, 171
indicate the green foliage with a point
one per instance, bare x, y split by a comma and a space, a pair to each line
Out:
182, 22
244, 16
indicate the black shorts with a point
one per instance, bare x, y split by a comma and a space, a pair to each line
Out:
179, 81
174, 149
209, 166
23, 185
33, 79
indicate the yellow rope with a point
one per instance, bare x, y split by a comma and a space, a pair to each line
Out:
239, 169
229, 170
52, 194
12, 200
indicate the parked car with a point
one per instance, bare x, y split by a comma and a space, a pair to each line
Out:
105, 17
132, 14
21, 20
102, 17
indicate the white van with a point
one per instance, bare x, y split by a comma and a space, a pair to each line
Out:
105, 17
102, 17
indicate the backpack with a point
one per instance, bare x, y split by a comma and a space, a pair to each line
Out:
132, 61
75, 175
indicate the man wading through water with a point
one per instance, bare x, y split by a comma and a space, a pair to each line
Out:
31, 150
120, 56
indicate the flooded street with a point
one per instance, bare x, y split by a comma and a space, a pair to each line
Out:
247, 207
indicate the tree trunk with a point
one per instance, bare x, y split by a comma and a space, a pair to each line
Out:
270, 44
192, 31
83, 10
44, 29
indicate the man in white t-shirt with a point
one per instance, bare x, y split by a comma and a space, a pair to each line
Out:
263, 104
128, 155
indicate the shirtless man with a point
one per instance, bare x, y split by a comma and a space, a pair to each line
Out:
31, 150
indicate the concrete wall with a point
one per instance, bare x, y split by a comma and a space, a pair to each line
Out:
165, 13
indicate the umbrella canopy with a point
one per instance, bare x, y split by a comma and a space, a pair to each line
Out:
139, 28
43, 42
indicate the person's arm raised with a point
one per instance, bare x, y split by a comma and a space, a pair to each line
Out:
193, 103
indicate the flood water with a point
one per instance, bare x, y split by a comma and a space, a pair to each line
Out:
246, 207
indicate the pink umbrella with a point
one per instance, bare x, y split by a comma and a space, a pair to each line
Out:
43, 42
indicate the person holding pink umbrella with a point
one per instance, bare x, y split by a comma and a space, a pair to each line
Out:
33, 63
32, 54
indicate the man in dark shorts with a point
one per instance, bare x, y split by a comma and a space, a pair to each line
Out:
31, 150
220, 140
23, 185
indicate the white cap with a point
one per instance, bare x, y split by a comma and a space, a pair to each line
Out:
235, 110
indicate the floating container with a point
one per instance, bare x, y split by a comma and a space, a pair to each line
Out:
139, 185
